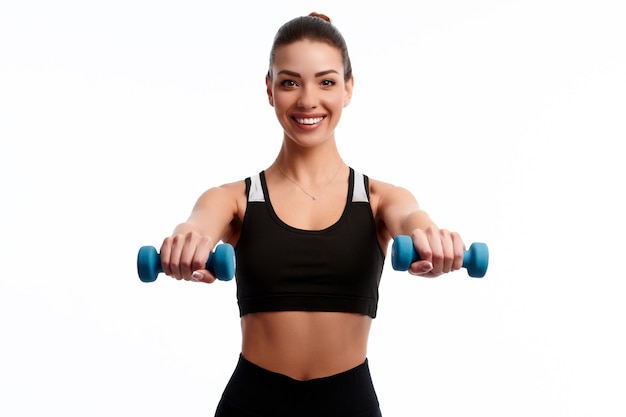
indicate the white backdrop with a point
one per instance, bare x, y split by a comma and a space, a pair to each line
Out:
505, 118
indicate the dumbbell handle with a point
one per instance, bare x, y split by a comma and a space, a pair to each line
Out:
221, 263
475, 259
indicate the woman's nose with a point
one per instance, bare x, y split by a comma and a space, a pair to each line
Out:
307, 99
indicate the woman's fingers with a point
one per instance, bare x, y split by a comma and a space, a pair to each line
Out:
440, 251
184, 256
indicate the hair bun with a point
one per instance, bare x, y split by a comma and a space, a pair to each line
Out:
321, 16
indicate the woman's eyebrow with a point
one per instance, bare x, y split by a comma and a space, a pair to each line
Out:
330, 71
318, 74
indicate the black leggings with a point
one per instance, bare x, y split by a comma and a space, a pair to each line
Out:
256, 392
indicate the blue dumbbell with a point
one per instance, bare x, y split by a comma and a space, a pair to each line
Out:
221, 263
475, 259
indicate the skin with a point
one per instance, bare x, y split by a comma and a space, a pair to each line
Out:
307, 86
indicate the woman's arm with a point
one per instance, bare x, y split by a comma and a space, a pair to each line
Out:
214, 218
440, 250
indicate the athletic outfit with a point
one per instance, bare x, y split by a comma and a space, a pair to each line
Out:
256, 392
282, 268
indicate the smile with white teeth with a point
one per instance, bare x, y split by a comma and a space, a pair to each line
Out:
308, 120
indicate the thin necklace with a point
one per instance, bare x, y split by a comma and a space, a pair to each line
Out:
314, 197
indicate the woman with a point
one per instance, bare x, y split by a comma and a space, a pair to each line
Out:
310, 235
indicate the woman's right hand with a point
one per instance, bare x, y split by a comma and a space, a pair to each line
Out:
184, 256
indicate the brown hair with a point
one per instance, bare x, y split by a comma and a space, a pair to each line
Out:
315, 27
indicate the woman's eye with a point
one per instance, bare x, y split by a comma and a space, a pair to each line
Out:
288, 83
328, 83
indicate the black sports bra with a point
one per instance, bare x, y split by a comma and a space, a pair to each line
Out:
282, 268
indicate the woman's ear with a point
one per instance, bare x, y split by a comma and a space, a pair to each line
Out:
268, 86
348, 93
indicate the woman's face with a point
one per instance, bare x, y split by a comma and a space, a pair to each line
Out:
308, 91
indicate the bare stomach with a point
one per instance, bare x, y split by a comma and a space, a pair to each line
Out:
305, 345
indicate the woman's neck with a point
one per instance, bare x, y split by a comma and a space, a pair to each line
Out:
309, 165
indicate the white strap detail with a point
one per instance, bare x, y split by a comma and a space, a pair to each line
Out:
359, 194
256, 191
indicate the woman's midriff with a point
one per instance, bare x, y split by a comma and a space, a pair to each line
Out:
305, 345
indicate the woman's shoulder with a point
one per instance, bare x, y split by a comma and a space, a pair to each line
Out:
383, 193
378, 187
232, 188
235, 186
224, 195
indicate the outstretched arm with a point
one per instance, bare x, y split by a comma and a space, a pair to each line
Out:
214, 218
440, 250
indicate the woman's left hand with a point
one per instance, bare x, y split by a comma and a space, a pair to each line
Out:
440, 251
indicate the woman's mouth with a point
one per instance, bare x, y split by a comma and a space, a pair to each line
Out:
308, 120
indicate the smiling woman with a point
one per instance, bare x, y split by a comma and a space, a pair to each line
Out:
308, 91
310, 235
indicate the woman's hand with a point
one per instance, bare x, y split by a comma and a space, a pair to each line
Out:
184, 256
440, 251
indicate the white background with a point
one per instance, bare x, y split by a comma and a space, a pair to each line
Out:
505, 118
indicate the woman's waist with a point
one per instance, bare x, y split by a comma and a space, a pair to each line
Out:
305, 345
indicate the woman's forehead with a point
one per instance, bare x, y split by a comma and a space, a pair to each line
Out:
308, 55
